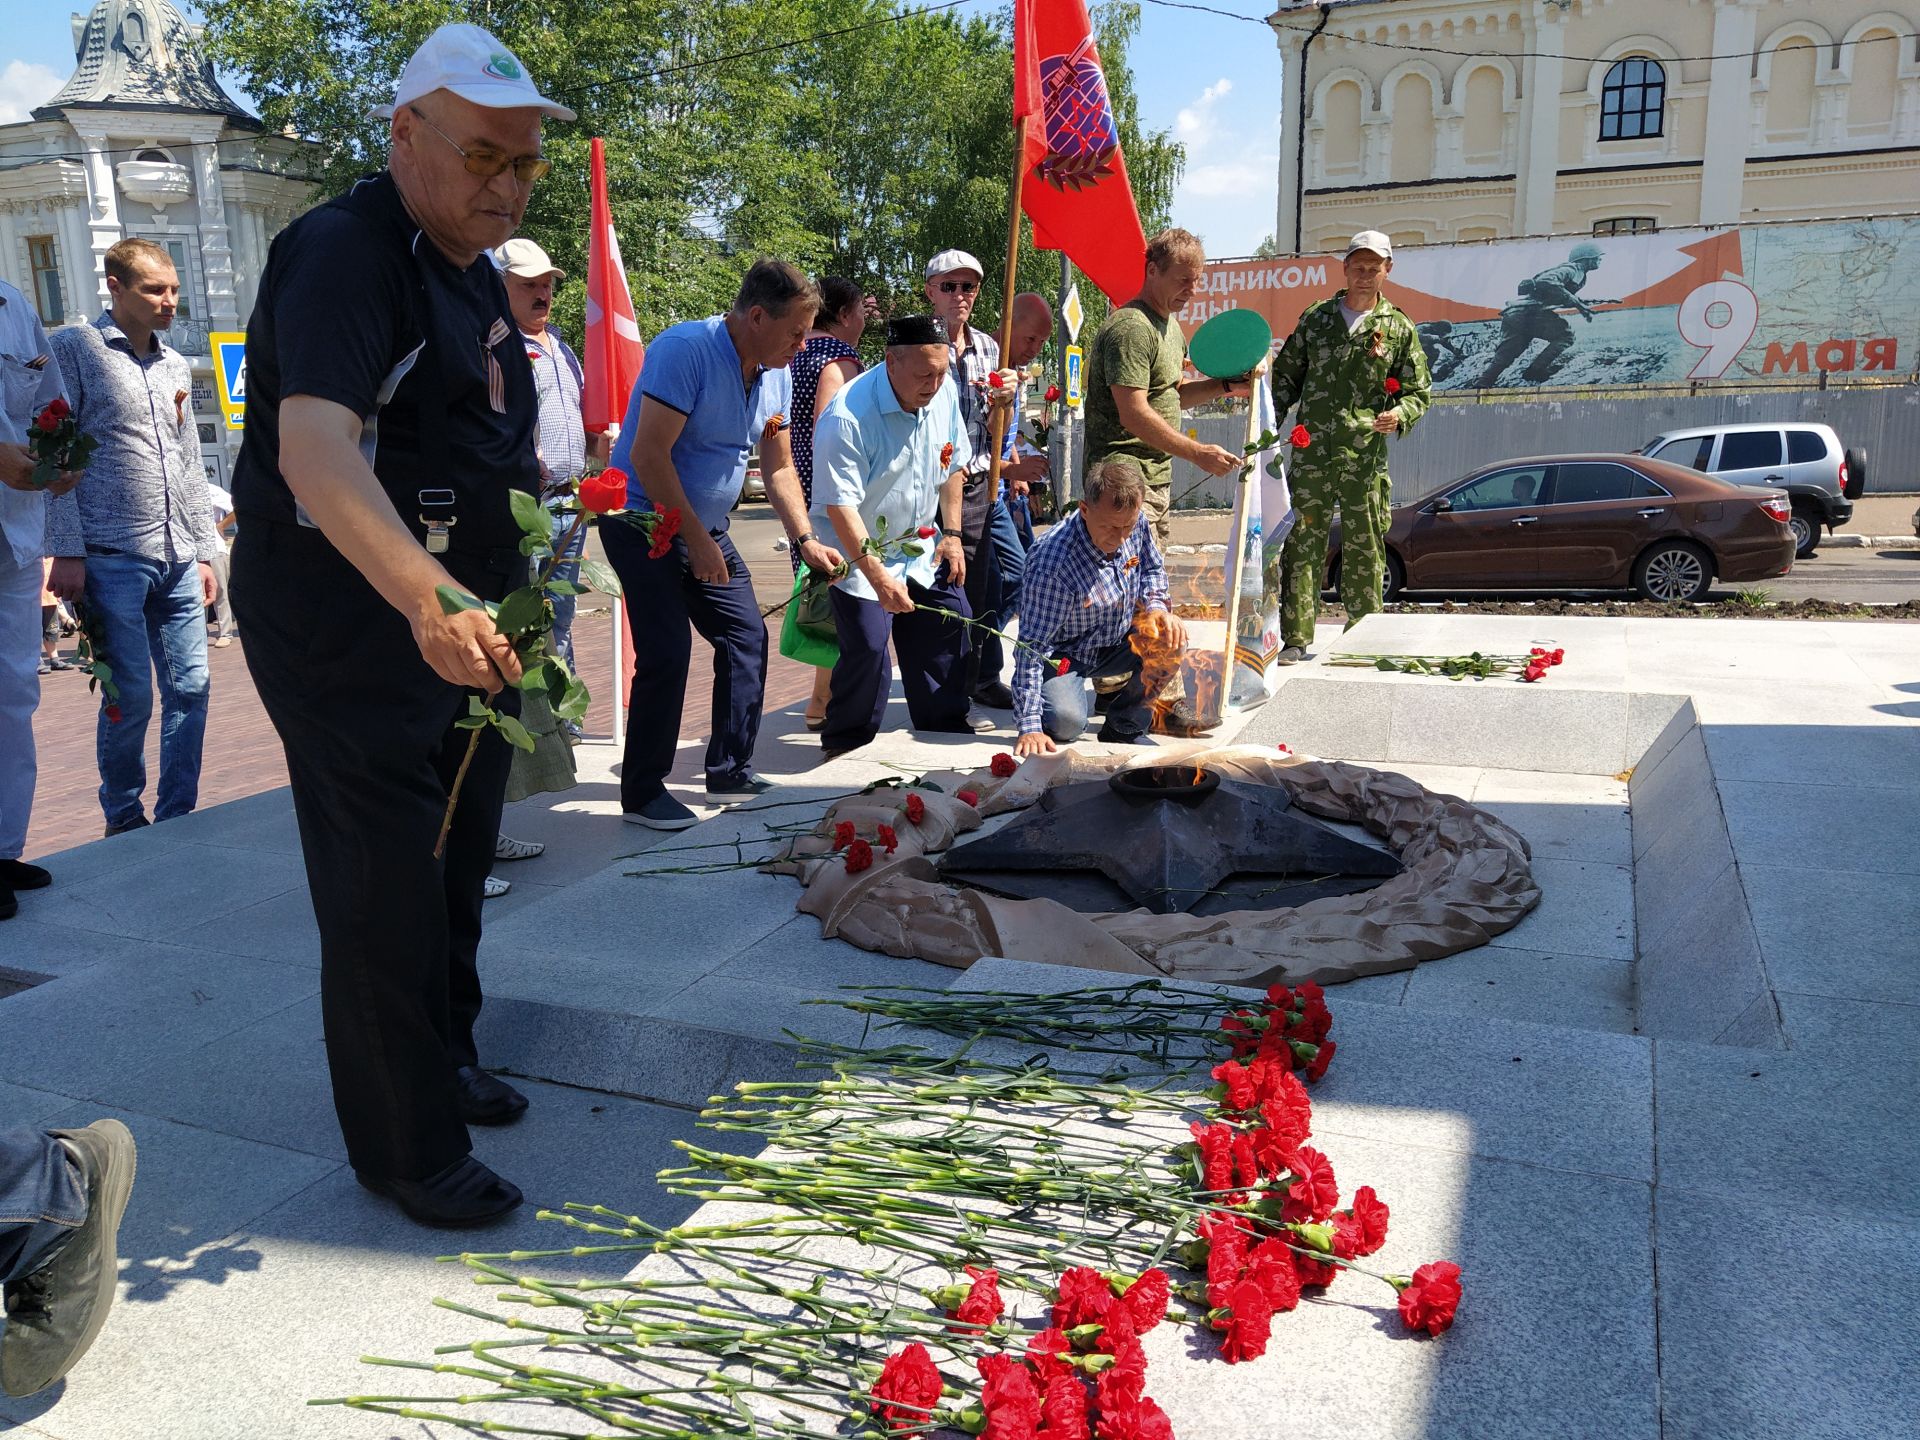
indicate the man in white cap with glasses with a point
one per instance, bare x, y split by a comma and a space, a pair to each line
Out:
383, 439
1355, 367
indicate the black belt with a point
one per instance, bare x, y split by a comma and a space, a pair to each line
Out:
502, 560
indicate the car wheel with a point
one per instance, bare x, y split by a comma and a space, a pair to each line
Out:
1856, 472
1673, 573
1396, 576
1805, 525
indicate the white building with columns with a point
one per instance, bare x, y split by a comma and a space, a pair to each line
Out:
1439, 120
142, 140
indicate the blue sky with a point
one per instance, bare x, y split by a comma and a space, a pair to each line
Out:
1214, 82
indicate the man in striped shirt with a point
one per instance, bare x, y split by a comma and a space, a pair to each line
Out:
1095, 599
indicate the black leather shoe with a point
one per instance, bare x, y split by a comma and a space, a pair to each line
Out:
1179, 720
18, 875
486, 1099
465, 1193
1108, 735
994, 695
9, 907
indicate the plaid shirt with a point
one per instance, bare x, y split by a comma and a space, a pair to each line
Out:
1080, 603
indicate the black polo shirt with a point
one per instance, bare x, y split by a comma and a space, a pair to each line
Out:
359, 307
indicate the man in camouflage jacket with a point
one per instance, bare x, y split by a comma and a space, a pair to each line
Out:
1355, 368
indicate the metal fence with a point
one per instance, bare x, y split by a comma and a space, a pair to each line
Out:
1458, 436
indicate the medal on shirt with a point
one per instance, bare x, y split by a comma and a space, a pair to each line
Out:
436, 513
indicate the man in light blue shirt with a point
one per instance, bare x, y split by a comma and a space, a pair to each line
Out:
29, 382
892, 447
710, 391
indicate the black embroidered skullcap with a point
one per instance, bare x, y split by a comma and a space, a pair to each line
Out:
916, 330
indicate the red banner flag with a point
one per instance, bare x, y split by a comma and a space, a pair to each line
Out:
1076, 191
613, 352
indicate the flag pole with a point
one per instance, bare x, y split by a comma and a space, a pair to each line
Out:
1003, 414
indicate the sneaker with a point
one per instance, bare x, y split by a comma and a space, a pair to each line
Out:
54, 1314
505, 847
45, 668
223, 642
571, 729
662, 812
494, 888
1292, 655
742, 785
981, 724
1179, 720
54, 662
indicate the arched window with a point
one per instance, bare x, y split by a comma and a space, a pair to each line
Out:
1633, 100
156, 154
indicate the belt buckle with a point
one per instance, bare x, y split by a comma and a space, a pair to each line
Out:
438, 524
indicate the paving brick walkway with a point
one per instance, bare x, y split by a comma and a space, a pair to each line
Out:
243, 755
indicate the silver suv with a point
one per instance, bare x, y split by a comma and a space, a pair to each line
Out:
1820, 476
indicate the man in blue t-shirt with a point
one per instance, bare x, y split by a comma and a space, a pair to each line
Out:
710, 391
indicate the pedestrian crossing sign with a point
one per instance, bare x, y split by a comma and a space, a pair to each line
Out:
1076, 370
230, 376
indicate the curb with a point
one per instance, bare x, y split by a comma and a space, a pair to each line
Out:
1860, 542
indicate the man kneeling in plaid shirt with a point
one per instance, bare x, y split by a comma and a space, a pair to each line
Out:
1094, 583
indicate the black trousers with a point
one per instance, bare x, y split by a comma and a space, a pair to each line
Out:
662, 597
933, 665
371, 755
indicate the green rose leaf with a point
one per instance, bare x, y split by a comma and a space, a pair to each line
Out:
453, 601
516, 733
557, 586
599, 575
478, 707
525, 609
572, 705
531, 516
532, 545
468, 722
533, 677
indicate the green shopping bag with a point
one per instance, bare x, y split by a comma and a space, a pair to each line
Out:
807, 633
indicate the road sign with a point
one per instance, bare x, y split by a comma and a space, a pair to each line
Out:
230, 376
1071, 312
1076, 369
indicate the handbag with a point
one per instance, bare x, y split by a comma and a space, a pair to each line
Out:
807, 632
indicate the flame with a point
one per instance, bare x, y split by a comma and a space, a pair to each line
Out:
1160, 658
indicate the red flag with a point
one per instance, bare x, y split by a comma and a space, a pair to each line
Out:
1075, 191
613, 350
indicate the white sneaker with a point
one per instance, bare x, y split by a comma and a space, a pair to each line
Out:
495, 888
507, 848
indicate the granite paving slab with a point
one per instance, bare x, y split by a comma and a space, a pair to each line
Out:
22, 1105
1837, 932
184, 885
1847, 828
1586, 908
1514, 984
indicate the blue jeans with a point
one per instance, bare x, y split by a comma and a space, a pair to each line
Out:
994, 578
564, 606
150, 615
1066, 700
41, 1200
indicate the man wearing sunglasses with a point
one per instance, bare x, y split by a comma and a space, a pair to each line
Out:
953, 285
383, 440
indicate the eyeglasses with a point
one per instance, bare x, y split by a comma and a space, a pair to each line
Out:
489, 163
963, 287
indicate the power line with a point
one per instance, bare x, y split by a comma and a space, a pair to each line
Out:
1261, 21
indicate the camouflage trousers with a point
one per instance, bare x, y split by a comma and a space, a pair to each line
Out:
1364, 503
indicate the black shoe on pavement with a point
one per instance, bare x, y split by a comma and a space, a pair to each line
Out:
747, 784
18, 875
9, 907
465, 1193
1179, 720
1110, 736
55, 1313
995, 695
1292, 655
486, 1099
139, 822
662, 812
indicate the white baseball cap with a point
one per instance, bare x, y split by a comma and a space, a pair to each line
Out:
473, 65
950, 260
521, 256
1371, 240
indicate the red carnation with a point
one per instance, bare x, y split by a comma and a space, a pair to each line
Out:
1003, 765
859, 857
1393, 386
982, 1305
1270, 1266
1557, 657
664, 529
916, 809
908, 1388
1238, 1089
1053, 394
1317, 1066
1535, 671
889, 839
1083, 1298
1300, 438
1283, 749
995, 380
603, 492
1312, 1271
1370, 1219
112, 712
1428, 1300
1063, 1408
1146, 1299
1061, 666
1139, 1419
1247, 1321
1314, 1191
843, 835
1044, 1352
968, 797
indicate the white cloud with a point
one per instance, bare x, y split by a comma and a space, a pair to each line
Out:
1249, 179
1194, 126
23, 86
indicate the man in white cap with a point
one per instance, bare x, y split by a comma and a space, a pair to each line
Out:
953, 287
383, 441
1355, 366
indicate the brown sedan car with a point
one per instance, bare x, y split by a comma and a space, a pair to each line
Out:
1587, 522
